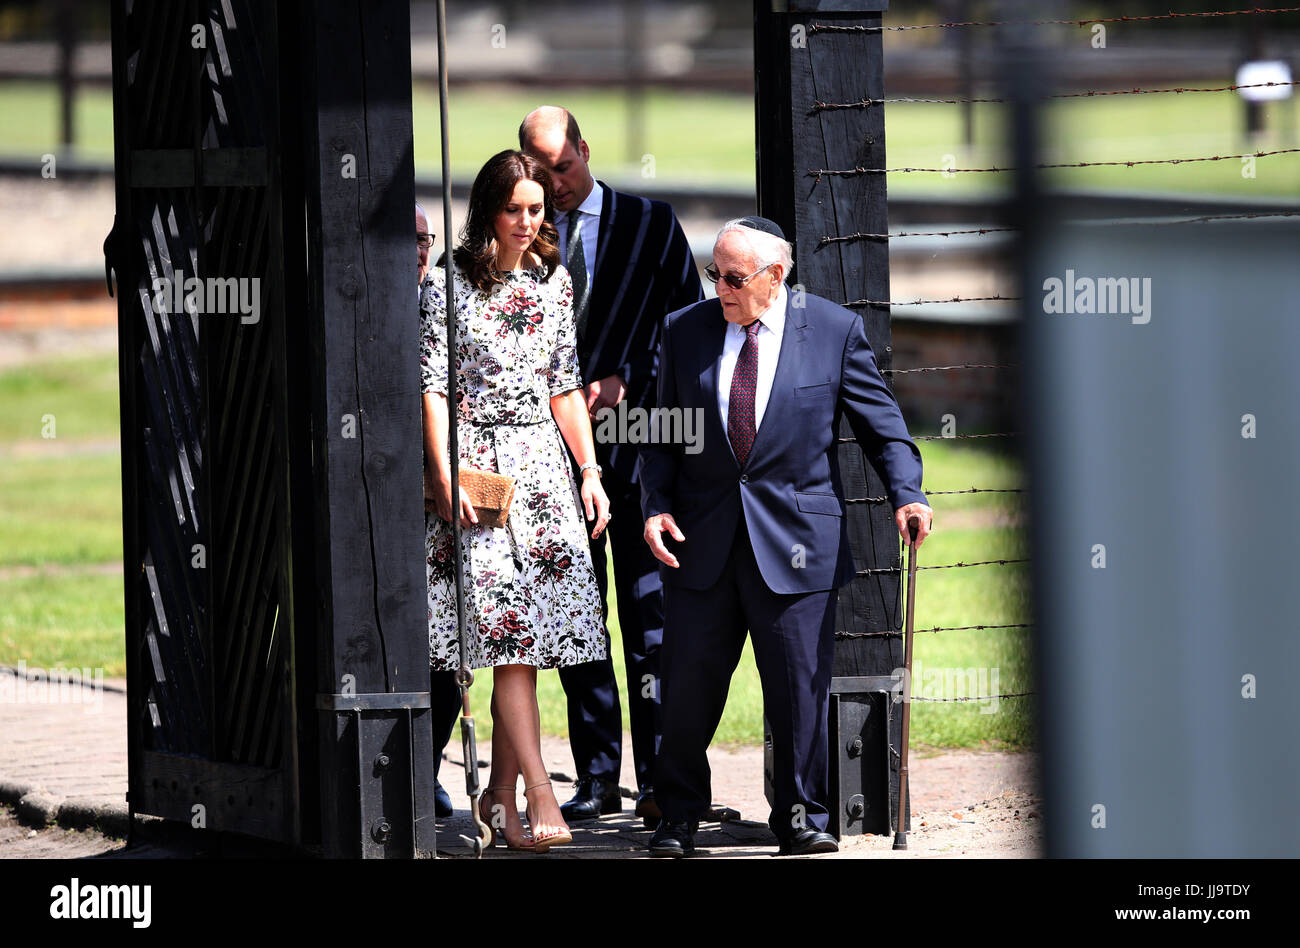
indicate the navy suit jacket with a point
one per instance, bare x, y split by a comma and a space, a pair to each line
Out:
789, 489
644, 270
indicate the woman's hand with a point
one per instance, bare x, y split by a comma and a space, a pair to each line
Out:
594, 501
442, 500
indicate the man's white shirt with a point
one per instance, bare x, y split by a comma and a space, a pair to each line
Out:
590, 209
768, 340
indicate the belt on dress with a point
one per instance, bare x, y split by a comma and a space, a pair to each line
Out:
504, 424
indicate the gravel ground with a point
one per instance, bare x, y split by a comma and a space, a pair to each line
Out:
18, 841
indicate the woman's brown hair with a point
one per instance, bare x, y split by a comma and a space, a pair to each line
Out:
476, 254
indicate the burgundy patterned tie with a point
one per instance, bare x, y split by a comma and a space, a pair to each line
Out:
740, 406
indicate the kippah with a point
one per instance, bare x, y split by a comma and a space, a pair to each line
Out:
755, 222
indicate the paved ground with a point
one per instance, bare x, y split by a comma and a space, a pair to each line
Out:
972, 803
72, 753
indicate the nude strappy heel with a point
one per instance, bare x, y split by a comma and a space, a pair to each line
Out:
542, 843
528, 843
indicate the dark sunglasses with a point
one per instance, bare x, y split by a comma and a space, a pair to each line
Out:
733, 281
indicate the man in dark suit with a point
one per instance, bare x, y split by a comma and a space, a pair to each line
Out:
756, 536
631, 265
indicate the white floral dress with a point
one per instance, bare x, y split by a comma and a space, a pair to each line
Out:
531, 596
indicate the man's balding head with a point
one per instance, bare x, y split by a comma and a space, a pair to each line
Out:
550, 134
545, 123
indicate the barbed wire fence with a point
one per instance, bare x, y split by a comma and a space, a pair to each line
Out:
828, 239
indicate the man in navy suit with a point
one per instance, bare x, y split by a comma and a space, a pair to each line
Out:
756, 539
631, 265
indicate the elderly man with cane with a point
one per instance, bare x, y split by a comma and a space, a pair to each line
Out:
750, 530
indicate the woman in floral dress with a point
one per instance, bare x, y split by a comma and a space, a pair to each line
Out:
531, 599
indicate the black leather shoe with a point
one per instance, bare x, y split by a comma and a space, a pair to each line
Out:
808, 842
442, 807
673, 840
593, 798
647, 809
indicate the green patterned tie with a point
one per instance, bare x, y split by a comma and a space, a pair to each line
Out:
577, 264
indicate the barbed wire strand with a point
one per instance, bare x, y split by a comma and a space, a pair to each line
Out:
935, 493
1120, 221
885, 570
955, 299
838, 28
944, 368
1014, 694
819, 106
819, 173
954, 628
1000, 434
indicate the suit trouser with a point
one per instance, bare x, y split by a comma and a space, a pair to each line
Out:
794, 644
444, 706
595, 715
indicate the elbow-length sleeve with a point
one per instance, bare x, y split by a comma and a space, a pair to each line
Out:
563, 373
433, 335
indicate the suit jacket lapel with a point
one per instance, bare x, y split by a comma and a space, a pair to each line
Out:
714, 336
603, 235
792, 338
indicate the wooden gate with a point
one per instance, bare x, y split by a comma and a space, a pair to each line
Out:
272, 524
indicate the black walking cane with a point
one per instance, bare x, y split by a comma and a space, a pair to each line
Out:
464, 677
900, 836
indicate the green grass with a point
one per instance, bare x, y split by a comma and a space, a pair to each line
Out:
66, 620
485, 120
80, 393
1110, 128
65, 509
61, 510
31, 111
708, 138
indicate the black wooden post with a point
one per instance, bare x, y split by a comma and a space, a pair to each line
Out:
67, 36
376, 761
799, 62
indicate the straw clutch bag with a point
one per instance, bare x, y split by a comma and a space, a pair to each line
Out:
489, 493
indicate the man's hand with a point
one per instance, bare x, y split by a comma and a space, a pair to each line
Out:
924, 517
605, 393
655, 526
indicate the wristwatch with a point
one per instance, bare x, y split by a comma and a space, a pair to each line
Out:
590, 466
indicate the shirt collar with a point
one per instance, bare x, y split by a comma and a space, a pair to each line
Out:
773, 317
594, 200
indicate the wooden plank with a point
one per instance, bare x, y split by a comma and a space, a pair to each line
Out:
235, 167
837, 6
362, 338
126, 262
235, 798
301, 529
